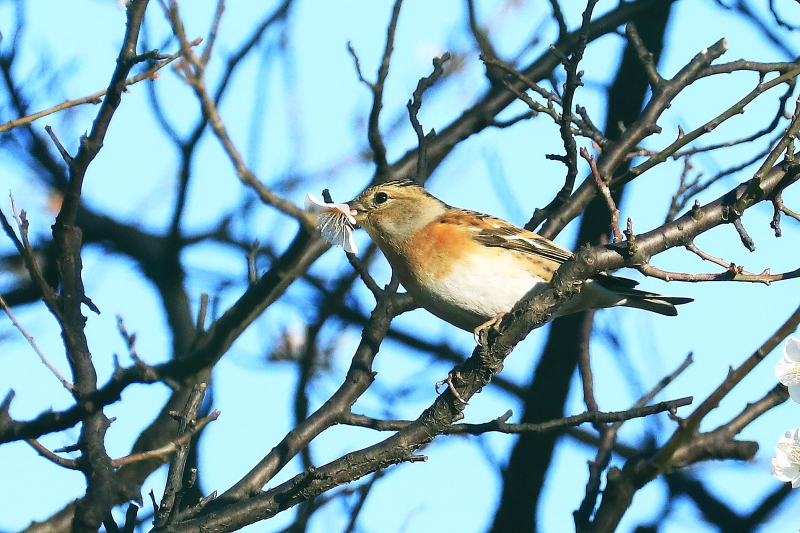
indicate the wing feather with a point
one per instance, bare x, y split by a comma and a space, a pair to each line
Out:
492, 231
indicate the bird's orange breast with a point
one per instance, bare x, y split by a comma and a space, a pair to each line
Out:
435, 249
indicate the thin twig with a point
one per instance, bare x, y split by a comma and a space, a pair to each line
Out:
606, 192
734, 273
716, 260
70, 464
786, 145
201, 313
61, 150
780, 114
129, 338
67, 385
159, 453
585, 368
10, 231
192, 71
645, 56
688, 427
684, 139
571, 85
174, 488
171, 447
363, 272
559, 17
212, 34
662, 384
690, 188
606, 444
95, 98
414, 106
741, 64
747, 241
499, 425
363, 492
778, 201
373, 131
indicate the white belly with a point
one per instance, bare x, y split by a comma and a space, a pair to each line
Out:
473, 291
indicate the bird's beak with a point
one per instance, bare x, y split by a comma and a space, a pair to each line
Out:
357, 210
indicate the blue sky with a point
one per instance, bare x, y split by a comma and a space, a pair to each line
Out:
314, 112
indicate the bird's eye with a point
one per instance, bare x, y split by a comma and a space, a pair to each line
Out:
381, 197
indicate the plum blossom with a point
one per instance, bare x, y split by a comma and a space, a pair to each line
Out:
786, 463
335, 222
788, 368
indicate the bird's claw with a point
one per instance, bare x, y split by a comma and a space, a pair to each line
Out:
481, 333
449, 382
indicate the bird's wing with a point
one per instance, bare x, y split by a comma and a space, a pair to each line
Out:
492, 231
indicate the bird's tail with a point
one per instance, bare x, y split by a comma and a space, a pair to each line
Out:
628, 296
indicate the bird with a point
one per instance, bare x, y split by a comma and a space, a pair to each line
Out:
470, 268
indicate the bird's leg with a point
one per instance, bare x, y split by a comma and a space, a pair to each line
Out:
452, 375
482, 332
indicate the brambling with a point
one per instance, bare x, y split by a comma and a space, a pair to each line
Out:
468, 268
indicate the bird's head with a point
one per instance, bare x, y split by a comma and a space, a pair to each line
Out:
394, 211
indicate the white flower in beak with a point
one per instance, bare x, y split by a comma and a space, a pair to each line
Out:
335, 222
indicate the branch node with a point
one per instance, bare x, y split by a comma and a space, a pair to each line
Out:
630, 238
696, 213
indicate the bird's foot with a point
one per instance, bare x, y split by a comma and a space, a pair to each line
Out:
493, 324
452, 375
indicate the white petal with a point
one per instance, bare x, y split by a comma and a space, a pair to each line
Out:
794, 392
335, 229
315, 205
312, 203
335, 221
784, 469
349, 245
331, 227
336, 238
328, 223
788, 473
781, 460
791, 436
788, 371
780, 474
791, 350
781, 370
777, 469
344, 209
